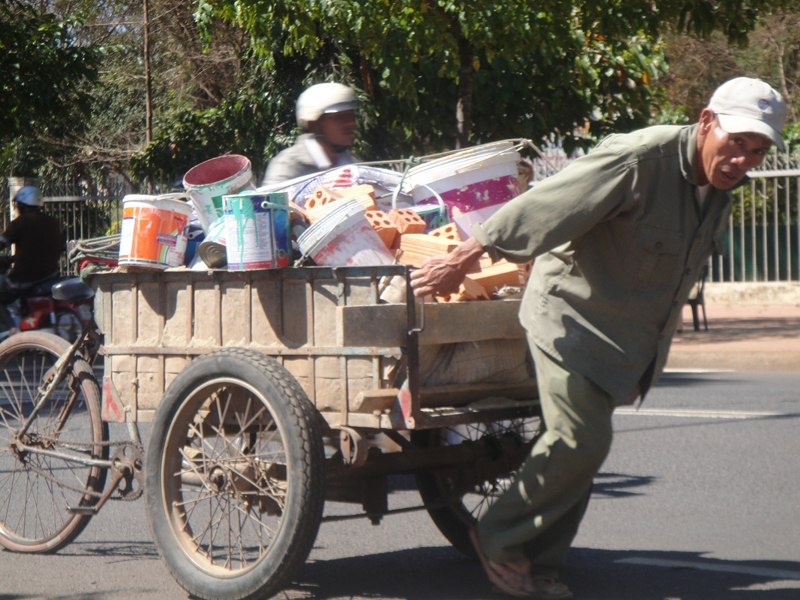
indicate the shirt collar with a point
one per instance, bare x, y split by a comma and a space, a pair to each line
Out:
317, 153
687, 149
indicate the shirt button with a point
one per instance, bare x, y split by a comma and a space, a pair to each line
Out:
688, 271
659, 245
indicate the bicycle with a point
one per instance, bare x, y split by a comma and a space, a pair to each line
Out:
55, 452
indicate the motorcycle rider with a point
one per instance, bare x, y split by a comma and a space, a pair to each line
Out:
38, 241
327, 111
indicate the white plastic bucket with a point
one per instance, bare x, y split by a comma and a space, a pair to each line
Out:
469, 180
257, 231
207, 182
344, 237
212, 249
154, 230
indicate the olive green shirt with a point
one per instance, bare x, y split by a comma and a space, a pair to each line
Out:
620, 242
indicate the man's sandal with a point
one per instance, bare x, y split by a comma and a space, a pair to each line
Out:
509, 580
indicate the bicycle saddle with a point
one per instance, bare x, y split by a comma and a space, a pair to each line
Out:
72, 290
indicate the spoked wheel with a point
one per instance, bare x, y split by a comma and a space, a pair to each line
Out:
456, 498
36, 490
235, 481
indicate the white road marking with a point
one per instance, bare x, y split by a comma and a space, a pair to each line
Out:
698, 370
692, 413
721, 568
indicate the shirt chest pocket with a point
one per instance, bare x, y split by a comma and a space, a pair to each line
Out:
656, 256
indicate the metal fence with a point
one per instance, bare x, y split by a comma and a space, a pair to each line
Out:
761, 241
85, 209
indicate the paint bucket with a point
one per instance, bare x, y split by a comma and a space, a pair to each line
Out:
194, 236
257, 231
212, 249
207, 182
465, 222
344, 237
154, 230
468, 180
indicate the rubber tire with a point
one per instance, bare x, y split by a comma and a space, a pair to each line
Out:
454, 521
293, 412
55, 345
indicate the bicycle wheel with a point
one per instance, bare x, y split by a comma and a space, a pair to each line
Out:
235, 481
36, 490
458, 497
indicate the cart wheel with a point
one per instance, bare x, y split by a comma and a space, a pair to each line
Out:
458, 497
35, 489
235, 480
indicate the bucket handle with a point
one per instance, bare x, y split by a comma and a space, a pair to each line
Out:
443, 211
409, 161
442, 205
267, 204
479, 162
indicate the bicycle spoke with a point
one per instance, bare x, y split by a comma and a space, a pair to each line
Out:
36, 490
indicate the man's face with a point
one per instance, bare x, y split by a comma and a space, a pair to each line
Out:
726, 157
338, 129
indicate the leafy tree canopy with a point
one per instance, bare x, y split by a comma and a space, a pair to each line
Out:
44, 72
437, 73
430, 74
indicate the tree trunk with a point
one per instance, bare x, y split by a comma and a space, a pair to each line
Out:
466, 81
147, 84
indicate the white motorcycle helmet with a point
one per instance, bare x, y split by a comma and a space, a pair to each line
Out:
324, 98
29, 195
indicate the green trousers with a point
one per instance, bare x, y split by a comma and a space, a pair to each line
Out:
538, 516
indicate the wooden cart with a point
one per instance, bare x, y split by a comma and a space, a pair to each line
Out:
272, 391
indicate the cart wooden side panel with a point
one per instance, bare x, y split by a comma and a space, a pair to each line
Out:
326, 326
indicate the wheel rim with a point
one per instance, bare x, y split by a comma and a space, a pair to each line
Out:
33, 507
469, 500
225, 487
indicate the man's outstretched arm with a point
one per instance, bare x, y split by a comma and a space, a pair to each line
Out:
441, 275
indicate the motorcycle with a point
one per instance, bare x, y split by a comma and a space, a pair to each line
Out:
37, 309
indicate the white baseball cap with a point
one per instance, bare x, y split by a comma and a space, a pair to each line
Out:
750, 105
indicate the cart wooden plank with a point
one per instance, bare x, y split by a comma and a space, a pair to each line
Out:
386, 324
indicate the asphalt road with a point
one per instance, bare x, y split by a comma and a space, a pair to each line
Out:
699, 500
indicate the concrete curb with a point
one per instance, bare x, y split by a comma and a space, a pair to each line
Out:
735, 360
781, 292
743, 336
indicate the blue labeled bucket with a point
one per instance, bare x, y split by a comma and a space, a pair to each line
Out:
257, 231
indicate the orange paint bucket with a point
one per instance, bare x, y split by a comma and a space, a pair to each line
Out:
154, 230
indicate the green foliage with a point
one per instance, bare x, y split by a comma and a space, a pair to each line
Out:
536, 69
226, 74
256, 119
791, 137
42, 69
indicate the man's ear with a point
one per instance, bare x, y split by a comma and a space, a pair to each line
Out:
706, 120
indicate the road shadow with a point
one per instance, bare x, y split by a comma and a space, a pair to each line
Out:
100, 595
118, 551
441, 573
617, 485
672, 380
